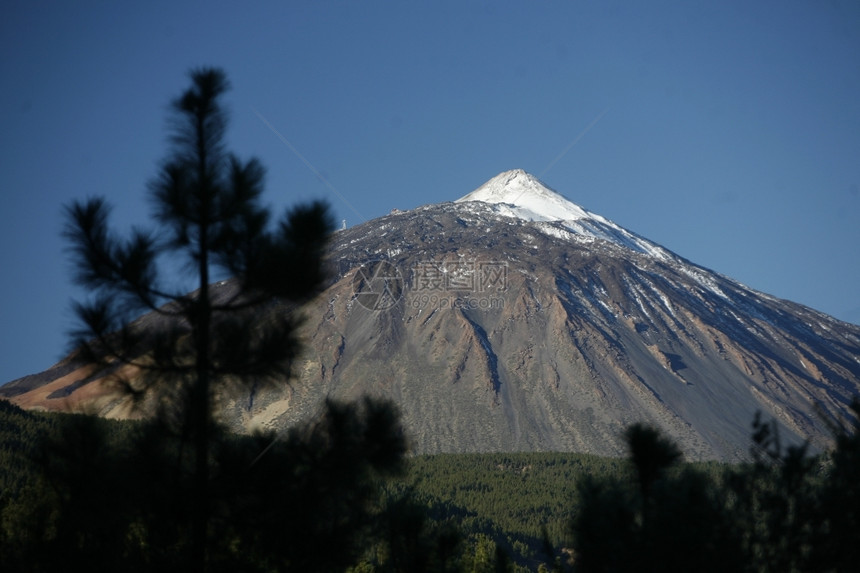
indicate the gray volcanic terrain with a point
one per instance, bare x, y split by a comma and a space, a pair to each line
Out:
514, 320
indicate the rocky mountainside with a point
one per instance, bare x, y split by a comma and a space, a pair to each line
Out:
514, 320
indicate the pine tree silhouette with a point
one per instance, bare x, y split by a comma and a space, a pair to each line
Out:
196, 341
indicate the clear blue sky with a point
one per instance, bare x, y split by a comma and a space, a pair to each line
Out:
730, 131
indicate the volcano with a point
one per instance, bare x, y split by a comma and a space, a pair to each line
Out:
513, 319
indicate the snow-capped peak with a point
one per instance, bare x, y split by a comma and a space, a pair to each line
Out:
521, 195
531, 200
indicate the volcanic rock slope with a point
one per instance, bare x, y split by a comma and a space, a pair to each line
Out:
514, 320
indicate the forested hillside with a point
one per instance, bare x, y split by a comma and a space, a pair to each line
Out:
484, 500
512, 498
785, 511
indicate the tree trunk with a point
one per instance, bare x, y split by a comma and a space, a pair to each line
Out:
200, 411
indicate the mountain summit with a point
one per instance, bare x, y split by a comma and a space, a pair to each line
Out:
521, 195
527, 197
514, 320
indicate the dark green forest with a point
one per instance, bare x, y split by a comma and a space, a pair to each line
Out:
73, 495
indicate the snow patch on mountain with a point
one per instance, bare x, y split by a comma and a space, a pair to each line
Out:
520, 195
